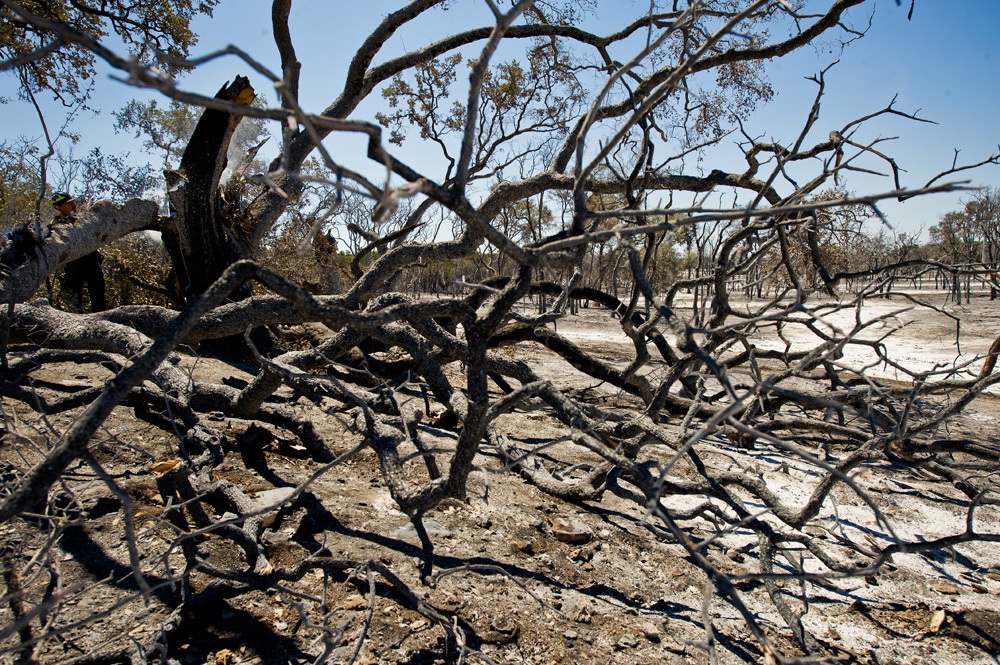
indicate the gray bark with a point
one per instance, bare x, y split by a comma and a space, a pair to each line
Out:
106, 222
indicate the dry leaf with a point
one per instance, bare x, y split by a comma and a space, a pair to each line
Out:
356, 603
164, 466
224, 657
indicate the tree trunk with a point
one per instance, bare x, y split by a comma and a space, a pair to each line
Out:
203, 242
66, 242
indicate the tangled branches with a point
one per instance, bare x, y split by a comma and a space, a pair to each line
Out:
719, 464
703, 421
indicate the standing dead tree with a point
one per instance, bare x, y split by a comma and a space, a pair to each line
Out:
179, 524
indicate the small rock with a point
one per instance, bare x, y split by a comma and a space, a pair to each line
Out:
433, 528
937, 620
946, 588
650, 632
269, 498
570, 530
604, 534
537, 524
504, 632
506, 629
672, 645
522, 545
627, 642
275, 538
419, 625
571, 635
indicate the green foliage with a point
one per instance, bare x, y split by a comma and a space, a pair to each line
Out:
167, 131
520, 102
419, 103
145, 26
162, 129
101, 176
739, 88
96, 176
19, 182
137, 271
526, 222
672, 260
971, 234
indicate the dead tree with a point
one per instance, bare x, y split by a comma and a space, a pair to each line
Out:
202, 240
154, 483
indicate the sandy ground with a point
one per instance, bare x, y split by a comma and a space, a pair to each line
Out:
923, 332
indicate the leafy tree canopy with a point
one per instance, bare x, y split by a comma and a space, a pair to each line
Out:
144, 25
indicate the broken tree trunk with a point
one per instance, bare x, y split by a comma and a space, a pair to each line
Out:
201, 241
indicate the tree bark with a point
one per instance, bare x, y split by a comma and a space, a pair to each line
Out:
106, 222
201, 241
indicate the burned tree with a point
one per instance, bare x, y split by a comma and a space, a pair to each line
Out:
201, 238
235, 492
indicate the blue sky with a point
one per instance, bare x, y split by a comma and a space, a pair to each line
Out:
944, 63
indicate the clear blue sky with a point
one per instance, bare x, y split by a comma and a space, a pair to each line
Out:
945, 62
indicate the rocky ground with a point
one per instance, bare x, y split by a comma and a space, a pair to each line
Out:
521, 577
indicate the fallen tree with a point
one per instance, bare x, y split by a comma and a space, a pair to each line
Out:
680, 428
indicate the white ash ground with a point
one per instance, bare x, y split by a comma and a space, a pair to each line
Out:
905, 612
